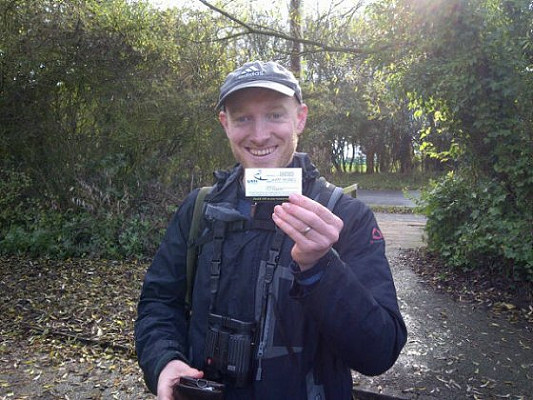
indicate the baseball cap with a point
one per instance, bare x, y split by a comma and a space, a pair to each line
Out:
268, 75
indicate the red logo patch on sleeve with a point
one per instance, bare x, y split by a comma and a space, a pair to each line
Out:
376, 235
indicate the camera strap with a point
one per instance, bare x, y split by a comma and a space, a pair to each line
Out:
219, 233
220, 228
270, 268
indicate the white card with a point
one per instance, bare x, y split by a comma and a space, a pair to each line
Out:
272, 183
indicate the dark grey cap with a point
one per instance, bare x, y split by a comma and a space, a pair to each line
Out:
268, 75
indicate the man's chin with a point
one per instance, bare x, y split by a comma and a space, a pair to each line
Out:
259, 162
268, 161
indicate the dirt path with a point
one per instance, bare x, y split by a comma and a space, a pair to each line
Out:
455, 350
395, 198
402, 231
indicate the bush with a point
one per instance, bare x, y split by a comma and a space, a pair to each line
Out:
77, 234
13, 201
479, 224
35, 226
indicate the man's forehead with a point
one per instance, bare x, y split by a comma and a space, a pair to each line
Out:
256, 97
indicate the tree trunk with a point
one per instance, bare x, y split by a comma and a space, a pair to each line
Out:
296, 29
370, 155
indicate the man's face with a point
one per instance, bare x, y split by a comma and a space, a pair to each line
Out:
263, 127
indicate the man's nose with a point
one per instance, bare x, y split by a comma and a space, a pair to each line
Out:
260, 131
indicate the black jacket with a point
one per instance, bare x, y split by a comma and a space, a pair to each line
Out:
340, 315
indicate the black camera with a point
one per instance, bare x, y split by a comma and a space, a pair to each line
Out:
198, 389
229, 349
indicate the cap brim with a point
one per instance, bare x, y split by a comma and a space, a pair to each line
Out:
278, 87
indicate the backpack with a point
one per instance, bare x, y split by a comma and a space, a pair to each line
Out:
327, 198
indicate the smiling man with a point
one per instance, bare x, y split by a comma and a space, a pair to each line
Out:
289, 296
263, 115
263, 126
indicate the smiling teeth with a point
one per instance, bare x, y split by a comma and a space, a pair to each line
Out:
263, 152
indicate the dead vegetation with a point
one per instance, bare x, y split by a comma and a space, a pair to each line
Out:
67, 326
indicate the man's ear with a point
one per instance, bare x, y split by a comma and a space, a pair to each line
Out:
302, 118
223, 118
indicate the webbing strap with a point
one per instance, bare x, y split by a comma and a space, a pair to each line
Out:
192, 249
273, 257
218, 240
219, 232
335, 196
270, 269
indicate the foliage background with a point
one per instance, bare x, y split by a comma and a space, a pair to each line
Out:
107, 115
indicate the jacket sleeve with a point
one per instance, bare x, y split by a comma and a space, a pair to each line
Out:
354, 302
161, 325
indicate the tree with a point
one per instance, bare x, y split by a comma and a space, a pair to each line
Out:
104, 106
469, 74
107, 108
295, 17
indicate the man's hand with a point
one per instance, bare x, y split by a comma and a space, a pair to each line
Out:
170, 376
313, 227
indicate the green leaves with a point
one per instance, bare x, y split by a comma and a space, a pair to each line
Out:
106, 115
476, 225
468, 86
107, 112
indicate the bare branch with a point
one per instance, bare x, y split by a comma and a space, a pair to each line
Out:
261, 30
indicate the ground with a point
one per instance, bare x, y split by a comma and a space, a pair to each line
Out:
468, 336
66, 327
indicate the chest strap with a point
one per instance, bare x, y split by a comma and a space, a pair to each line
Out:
270, 268
219, 233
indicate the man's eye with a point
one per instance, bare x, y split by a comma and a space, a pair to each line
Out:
242, 119
276, 115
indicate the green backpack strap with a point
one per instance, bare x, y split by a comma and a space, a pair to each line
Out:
192, 249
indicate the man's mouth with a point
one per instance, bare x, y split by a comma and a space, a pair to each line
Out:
262, 152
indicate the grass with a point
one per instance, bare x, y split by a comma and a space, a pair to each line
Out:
384, 181
392, 209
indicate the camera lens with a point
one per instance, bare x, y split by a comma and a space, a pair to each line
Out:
201, 383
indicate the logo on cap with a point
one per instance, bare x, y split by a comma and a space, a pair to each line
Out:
250, 71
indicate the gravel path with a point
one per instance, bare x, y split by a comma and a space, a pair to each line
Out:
455, 349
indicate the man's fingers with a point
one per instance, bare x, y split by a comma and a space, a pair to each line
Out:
170, 375
312, 214
289, 222
313, 227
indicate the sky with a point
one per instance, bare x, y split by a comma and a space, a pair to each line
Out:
321, 5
